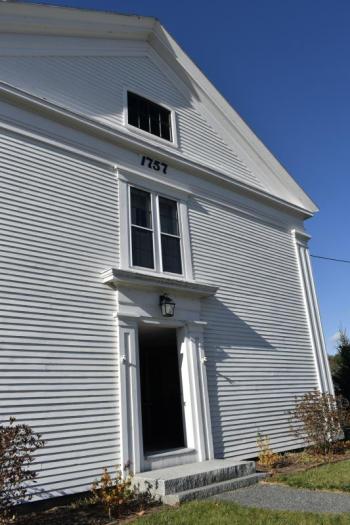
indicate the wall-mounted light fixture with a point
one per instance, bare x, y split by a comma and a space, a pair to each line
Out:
167, 305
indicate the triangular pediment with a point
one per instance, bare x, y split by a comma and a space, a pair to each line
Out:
89, 75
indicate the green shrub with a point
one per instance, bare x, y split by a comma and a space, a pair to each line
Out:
340, 366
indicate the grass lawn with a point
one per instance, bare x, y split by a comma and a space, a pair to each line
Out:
334, 476
220, 513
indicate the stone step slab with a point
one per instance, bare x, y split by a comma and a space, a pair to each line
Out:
212, 490
182, 478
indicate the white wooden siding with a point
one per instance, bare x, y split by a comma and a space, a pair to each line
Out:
95, 87
58, 231
257, 340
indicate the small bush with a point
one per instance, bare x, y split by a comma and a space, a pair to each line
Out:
267, 458
18, 443
319, 419
118, 495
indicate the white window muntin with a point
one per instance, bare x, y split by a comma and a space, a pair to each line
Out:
148, 136
156, 231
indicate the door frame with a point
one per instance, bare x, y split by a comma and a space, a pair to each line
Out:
197, 422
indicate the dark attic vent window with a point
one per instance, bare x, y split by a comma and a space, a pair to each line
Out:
150, 117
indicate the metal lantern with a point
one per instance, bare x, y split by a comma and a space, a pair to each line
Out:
167, 305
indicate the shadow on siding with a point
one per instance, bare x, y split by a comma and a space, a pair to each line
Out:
227, 336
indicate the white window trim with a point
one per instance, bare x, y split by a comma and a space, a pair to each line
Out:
160, 233
152, 229
145, 134
156, 233
125, 229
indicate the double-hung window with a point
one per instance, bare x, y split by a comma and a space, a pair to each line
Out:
155, 232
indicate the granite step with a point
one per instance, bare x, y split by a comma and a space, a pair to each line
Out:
213, 489
192, 476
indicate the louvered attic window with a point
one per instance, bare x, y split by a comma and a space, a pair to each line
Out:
149, 117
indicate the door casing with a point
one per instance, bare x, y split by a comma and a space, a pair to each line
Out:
197, 423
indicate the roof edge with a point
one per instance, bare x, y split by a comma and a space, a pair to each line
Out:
57, 20
232, 118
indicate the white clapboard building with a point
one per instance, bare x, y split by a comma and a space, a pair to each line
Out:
157, 299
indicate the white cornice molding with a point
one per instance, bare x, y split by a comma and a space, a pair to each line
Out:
136, 143
301, 237
53, 20
18, 129
115, 278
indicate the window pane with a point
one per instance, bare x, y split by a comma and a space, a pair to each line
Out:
168, 216
171, 254
165, 127
142, 248
144, 115
141, 210
149, 116
133, 110
155, 124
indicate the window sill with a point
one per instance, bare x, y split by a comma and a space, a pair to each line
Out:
116, 278
150, 138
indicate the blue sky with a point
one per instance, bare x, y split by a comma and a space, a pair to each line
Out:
284, 66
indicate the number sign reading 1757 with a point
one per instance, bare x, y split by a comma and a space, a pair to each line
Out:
155, 165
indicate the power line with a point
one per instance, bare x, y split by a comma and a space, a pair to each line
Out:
331, 259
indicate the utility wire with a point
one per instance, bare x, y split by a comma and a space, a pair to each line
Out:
331, 259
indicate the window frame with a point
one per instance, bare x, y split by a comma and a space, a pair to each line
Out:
156, 232
173, 143
160, 233
152, 229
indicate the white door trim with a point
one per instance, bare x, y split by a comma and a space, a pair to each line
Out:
194, 387
195, 391
129, 394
